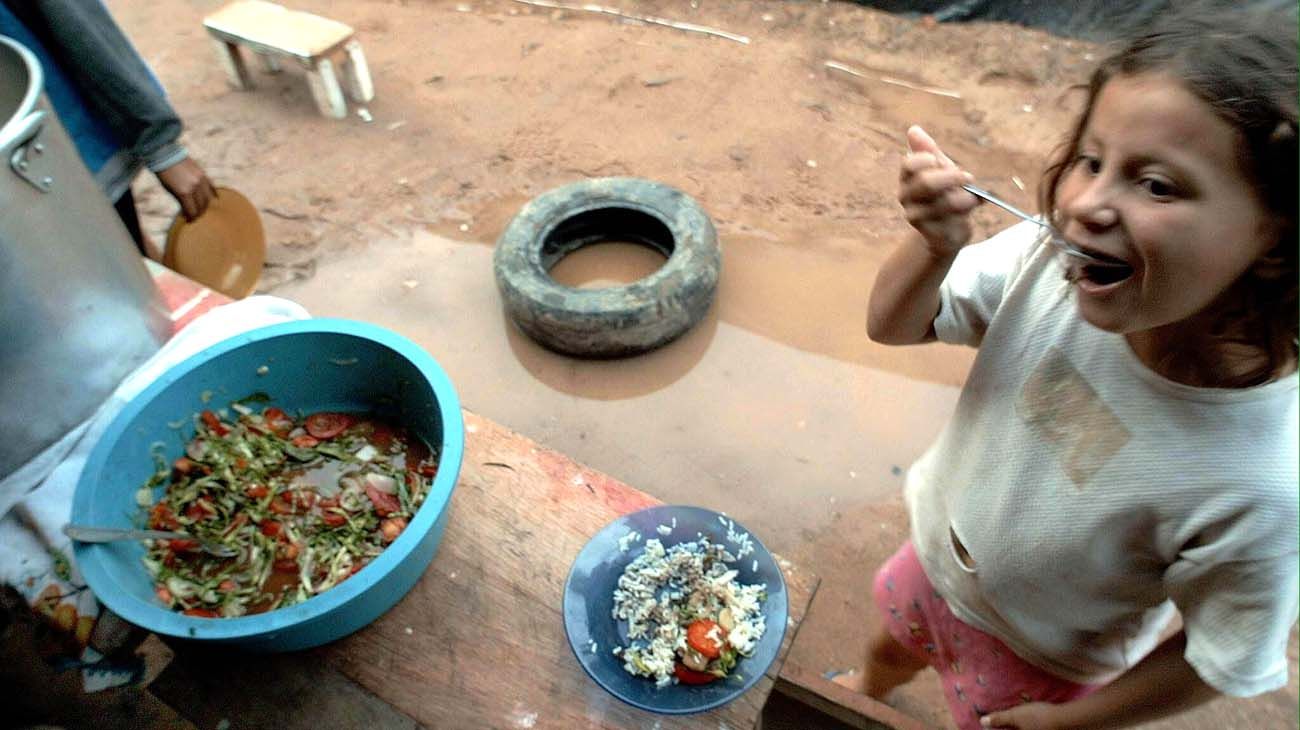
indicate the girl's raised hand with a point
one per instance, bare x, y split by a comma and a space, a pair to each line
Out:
929, 188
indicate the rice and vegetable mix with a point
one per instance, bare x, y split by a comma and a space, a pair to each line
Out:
303, 502
689, 620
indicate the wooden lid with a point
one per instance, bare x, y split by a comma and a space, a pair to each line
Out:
223, 249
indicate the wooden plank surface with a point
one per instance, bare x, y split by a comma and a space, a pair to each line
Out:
479, 641
486, 644
267, 26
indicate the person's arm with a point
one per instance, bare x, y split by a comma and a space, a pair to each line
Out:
905, 298
100, 60
121, 90
1161, 685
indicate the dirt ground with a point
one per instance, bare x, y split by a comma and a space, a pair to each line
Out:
776, 408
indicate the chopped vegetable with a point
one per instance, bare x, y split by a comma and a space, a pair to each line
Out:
706, 637
686, 675
327, 425
305, 505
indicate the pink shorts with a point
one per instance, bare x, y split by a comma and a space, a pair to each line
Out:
979, 673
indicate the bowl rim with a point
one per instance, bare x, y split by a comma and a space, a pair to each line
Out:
750, 679
160, 620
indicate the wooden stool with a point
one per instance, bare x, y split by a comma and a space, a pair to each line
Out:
272, 31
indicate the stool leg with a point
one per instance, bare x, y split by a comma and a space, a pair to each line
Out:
269, 63
232, 62
357, 73
325, 89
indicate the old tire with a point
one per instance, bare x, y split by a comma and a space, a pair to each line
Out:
615, 321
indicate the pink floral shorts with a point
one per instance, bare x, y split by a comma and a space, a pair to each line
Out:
979, 673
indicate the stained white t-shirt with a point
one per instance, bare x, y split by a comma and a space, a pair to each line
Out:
1092, 495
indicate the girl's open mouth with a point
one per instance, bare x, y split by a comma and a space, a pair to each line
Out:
1105, 274
1102, 272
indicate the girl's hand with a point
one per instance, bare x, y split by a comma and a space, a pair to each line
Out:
1030, 716
929, 187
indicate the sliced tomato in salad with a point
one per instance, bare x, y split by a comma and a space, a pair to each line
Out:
327, 425
278, 421
281, 506
201, 613
686, 675
385, 503
161, 517
184, 465
700, 637
214, 424
200, 509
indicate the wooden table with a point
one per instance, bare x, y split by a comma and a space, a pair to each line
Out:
479, 641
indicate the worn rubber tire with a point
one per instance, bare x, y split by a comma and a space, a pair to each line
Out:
616, 321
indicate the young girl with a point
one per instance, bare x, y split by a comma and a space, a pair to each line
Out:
1126, 443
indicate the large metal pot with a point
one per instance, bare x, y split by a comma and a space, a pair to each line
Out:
78, 310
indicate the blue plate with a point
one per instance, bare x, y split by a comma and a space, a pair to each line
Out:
589, 606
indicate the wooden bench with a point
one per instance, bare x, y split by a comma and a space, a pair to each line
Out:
274, 32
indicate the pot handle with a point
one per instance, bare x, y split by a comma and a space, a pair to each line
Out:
26, 149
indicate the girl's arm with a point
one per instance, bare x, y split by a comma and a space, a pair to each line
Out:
1161, 685
905, 298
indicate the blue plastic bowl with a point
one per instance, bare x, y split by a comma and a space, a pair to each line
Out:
589, 606
312, 365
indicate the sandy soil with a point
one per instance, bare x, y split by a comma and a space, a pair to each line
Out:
776, 408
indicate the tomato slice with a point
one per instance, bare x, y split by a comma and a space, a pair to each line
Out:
201, 613
182, 545
240, 520
278, 421
697, 637
304, 441
333, 519
327, 425
257, 491
214, 423
200, 509
303, 499
686, 675
385, 503
161, 517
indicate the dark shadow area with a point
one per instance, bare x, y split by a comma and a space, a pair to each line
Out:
1097, 20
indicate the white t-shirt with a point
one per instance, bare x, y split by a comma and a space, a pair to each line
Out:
1093, 496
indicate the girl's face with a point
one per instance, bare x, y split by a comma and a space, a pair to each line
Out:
1159, 184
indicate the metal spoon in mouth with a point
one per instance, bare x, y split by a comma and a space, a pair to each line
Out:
1053, 235
82, 533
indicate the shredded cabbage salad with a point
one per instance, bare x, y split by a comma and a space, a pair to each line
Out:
304, 502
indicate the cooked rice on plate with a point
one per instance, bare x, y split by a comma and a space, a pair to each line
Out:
689, 620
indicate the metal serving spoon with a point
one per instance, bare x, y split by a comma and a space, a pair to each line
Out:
82, 533
1053, 235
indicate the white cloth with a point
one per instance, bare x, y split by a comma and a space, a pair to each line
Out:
1093, 496
36, 500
